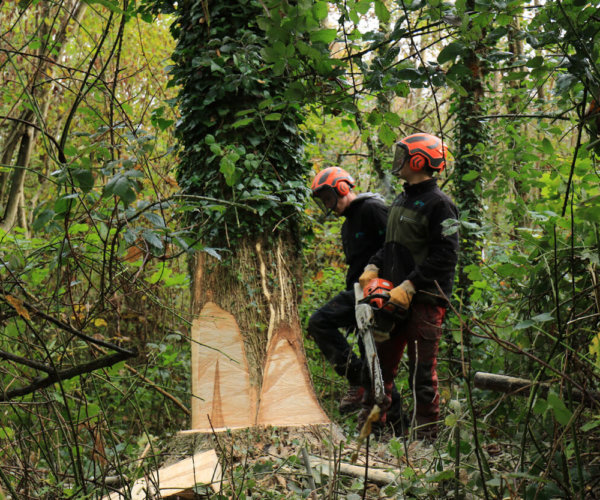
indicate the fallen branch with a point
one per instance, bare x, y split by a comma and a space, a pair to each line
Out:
376, 476
522, 387
59, 375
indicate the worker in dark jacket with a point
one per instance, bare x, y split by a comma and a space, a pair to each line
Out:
419, 256
363, 234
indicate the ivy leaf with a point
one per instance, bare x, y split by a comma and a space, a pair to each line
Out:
547, 146
457, 87
535, 62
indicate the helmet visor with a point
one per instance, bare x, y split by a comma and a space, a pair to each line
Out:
326, 198
400, 157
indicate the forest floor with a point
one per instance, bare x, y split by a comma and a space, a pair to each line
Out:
308, 462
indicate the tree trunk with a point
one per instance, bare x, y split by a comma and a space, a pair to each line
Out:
257, 286
470, 134
18, 180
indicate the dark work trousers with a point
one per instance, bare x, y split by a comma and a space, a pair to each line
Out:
323, 327
420, 335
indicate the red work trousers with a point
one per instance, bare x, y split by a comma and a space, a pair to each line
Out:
420, 335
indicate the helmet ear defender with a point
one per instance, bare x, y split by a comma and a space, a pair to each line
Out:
416, 162
342, 188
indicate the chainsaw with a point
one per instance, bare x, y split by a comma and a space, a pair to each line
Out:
376, 316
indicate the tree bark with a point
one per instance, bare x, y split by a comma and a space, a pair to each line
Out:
257, 286
18, 180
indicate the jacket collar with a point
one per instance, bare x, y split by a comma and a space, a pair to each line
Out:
421, 187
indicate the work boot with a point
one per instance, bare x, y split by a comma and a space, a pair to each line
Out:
352, 399
427, 432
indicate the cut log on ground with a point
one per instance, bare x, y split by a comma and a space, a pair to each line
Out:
522, 387
177, 479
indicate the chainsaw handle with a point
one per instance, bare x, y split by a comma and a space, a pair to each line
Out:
396, 308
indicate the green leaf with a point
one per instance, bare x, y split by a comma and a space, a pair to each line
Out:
561, 412
42, 219
321, 10
84, 179
123, 187
273, 117
155, 219
592, 424
381, 12
457, 87
243, 122
547, 146
535, 62
471, 175
393, 119
153, 239
386, 134
363, 6
113, 6
324, 36
450, 52
541, 318
374, 117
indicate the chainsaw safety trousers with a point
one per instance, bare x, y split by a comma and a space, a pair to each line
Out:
323, 327
420, 336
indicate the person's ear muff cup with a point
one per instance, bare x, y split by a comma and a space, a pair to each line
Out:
417, 162
343, 188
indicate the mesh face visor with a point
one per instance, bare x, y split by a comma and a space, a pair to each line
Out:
326, 198
400, 157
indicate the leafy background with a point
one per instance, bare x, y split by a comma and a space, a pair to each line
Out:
101, 215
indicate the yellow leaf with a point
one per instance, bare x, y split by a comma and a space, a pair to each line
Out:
595, 348
100, 322
18, 306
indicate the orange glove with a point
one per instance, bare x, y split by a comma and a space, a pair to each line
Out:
403, 294
371, 271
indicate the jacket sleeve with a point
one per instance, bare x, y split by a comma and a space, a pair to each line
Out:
377, 226
442, 255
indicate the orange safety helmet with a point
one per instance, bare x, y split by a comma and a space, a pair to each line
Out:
330, 184
421, 150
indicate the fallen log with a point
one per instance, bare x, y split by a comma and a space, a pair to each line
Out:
522, 387
376, 476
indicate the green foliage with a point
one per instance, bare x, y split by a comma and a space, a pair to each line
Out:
239, 121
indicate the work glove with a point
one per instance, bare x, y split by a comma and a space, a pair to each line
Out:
403, 294
371, 271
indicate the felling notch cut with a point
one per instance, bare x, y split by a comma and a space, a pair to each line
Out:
222, 395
